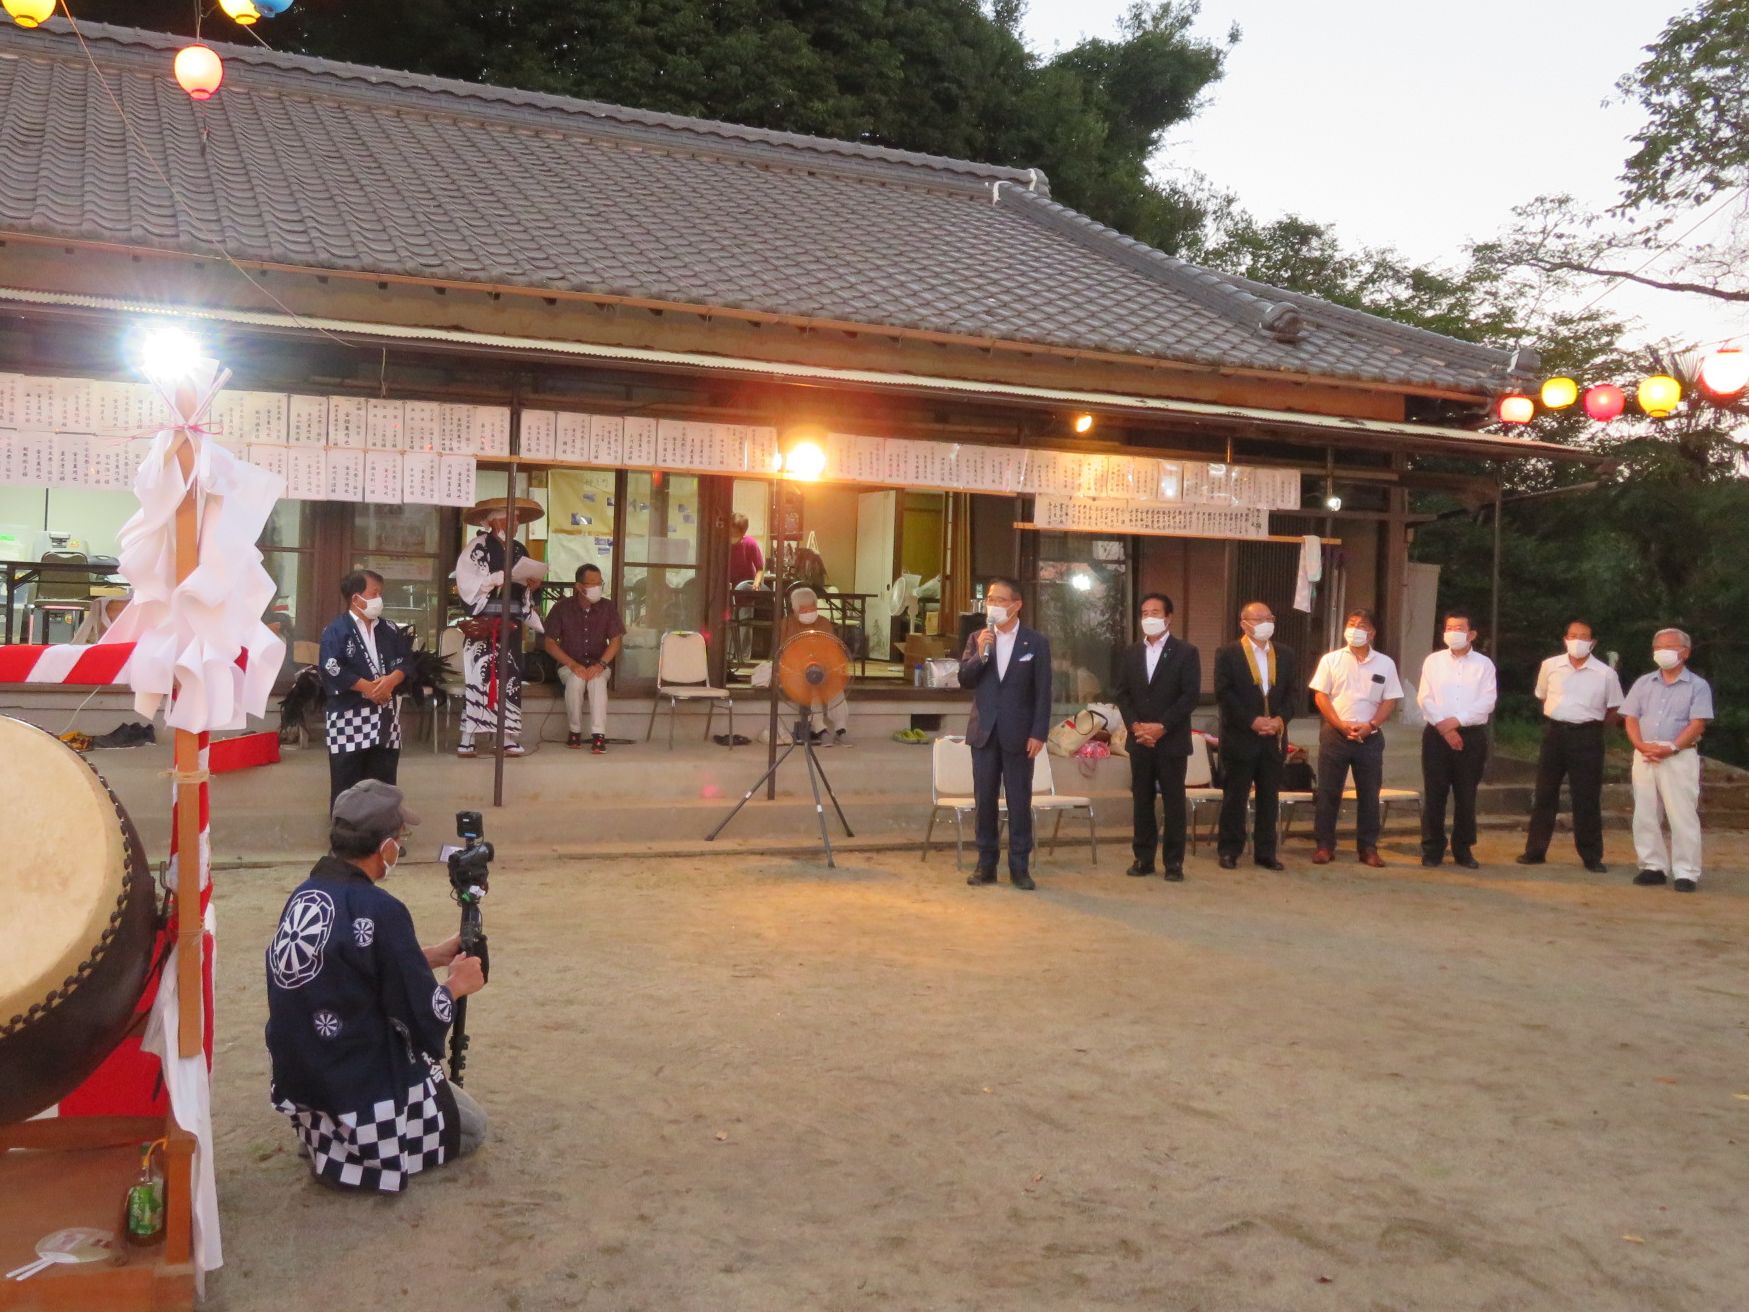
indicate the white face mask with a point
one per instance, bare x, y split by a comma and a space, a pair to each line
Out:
1263, 630
807, 616
1666, 658
372, 608
1153, 625
996, 614
1579, 648
1457, 639
1357, 637
592, 593
389, 865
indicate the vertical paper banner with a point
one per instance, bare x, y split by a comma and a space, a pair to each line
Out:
539, 434
382, 477
345, 475
421, 484
456, 480
422, 426
571, 438
348, 422
383, 425
640, 443
264, 419
271, 458
307, 424
73, 409
10, 386
491, 431
306, 473
607, 440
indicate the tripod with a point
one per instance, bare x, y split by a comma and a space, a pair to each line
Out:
803, 738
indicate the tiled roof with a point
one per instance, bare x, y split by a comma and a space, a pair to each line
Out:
333, 166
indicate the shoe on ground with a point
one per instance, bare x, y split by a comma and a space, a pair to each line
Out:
598, 745
1271, 864
1431, 861
1138, 869
1227, 862
574, 740
982, 875
1526, 859
1323, 857
842, 738
1465, 860
466, 751
1372, 859
1649, 878
515, 749
1597, 867
1685, 886
1174, 874
1021, 880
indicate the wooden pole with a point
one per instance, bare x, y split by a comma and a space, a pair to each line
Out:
504, 654
777, 541
188, 864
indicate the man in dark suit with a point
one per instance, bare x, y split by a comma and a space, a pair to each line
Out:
1257, 686
1008, 668
1158, 682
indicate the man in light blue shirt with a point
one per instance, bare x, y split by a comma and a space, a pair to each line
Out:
1666, 712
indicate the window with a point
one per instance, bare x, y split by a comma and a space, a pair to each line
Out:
661, 588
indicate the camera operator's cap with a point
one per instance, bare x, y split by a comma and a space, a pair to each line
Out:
373, 807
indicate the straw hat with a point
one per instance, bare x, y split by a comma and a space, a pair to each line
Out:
526, 510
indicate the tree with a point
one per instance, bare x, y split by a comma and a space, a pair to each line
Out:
945, 77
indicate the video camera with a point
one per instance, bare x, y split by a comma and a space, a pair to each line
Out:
470, 878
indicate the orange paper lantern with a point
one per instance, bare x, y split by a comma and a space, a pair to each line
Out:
1517, 409
199, 71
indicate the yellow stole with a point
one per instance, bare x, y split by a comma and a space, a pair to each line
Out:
1251, 660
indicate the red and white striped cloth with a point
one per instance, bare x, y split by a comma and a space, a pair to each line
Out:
103, 663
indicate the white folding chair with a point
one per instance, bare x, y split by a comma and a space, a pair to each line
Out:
449, 647
951, 789
1199, 776
683, 675
1045, 797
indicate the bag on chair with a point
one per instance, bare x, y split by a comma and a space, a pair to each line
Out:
1075, 732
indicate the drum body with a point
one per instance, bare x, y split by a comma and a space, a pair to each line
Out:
80, 917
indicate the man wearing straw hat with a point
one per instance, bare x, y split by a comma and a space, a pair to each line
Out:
487, 565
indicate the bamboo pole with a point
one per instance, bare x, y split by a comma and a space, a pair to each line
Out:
190, 1001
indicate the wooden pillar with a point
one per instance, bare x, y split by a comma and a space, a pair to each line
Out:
1394, 565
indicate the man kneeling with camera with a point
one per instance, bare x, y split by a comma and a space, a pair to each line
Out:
356, 1016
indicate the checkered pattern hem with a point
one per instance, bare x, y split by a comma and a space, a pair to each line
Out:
361, 727
377, 1150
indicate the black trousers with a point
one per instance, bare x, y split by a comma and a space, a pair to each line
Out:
1260, 766
1573, 752
348, 768
1153, 773
993, 768
1337, 755
1459, 774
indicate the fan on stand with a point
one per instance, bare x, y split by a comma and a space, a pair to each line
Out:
813, 670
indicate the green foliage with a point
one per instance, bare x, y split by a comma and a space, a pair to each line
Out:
1694, 87
944, 77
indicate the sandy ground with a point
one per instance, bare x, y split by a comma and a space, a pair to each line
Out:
749, 1083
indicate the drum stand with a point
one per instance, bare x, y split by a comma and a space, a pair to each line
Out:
802, 737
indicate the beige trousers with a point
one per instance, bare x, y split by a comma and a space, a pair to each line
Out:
577, 691
1667, 793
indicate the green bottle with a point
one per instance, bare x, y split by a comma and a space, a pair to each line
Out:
144, 1220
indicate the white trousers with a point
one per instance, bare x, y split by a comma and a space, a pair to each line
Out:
576, 690
1668, 793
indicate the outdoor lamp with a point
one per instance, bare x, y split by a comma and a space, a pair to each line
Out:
29, 13
805, 460
1659, 395
167, 354
1605, 401
1724, 375
1559, 393
1081, 581
272, 8
243, 12
1516, 408
199, 71
1083, 422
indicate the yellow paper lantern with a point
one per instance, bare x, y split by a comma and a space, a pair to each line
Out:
243, 12
29, 13
1559, 393
1659, 395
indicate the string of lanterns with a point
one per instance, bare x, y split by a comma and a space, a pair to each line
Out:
198, 68
1723, 379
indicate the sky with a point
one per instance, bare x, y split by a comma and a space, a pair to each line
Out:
1416, 125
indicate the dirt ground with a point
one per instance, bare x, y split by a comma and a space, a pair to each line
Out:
750, 1083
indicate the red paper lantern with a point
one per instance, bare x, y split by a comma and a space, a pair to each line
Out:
1605, 401
1516, 409
1724, 375
199, 71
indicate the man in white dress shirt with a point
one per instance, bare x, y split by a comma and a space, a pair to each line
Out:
1666, 712
1456, 697
1357, 690
1580, 695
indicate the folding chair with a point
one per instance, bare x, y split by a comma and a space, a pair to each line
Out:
683, 675
1199, 775
1045, 797
951, 789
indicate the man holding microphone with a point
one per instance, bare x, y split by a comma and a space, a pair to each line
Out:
1008, 668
